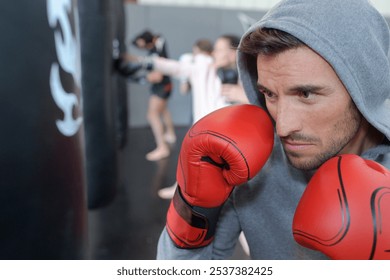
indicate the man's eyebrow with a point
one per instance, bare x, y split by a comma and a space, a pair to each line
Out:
298, 88
260, 87
306, 88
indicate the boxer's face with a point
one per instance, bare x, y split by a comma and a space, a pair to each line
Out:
141, 44
314, 114
223, 54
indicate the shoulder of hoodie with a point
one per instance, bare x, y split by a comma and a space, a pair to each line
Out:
380, 154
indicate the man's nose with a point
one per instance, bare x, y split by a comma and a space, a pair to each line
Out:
287, 119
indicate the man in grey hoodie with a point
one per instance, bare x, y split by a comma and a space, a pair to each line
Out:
321, 70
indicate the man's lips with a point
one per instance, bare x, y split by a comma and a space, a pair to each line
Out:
296, 145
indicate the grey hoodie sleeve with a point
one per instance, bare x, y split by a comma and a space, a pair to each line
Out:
166, 250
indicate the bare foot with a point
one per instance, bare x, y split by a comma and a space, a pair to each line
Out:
157, 154
170, 138
168, 192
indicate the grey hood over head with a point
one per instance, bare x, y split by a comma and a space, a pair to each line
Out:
351, 35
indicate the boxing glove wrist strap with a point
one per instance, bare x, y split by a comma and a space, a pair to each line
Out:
190, 226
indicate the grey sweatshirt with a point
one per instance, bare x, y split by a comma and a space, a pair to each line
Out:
354, 38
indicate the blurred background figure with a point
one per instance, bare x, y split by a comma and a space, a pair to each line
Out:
213, 79
158, 114
201, 47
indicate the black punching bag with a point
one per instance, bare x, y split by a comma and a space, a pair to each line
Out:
43, 212
98, 101
119, 82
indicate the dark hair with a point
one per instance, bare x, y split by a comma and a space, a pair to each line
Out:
146, 35
204, 45
234, 40
268, 41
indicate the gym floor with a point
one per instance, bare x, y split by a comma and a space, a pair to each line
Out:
129, 227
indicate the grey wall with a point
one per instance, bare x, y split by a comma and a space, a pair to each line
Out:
181, 27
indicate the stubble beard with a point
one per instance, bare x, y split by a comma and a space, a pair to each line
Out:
350, 125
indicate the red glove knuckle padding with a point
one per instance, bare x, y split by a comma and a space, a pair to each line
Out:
345, 210
224, 149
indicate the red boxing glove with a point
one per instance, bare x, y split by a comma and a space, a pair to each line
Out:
345, 210
224, 149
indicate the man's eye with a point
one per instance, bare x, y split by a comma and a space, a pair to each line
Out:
305, 94
266, 93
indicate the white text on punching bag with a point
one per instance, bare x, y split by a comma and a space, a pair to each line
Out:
67, 52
